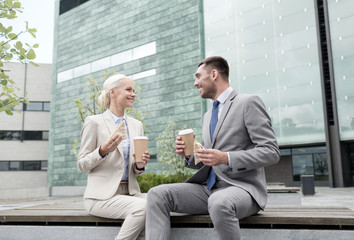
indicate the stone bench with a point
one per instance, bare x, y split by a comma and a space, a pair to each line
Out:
67, 219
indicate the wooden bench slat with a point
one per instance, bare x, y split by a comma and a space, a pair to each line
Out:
73, 211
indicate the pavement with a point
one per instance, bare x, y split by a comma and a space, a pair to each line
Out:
324, 196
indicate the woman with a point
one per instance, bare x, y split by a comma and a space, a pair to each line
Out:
112, 190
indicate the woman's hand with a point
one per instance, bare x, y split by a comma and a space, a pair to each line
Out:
111, 144
146, 159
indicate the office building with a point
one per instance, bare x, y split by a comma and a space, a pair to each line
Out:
24, 135
296, 55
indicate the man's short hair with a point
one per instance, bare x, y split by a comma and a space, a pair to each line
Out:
218, 63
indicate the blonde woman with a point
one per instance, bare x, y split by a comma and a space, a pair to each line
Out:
112, 190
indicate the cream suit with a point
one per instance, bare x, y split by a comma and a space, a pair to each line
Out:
104, 195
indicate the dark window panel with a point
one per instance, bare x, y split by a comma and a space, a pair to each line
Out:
31, 165
4, 166
33, 135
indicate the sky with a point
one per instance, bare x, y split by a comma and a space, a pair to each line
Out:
40, 15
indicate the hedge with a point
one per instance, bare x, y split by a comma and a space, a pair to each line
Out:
149, 180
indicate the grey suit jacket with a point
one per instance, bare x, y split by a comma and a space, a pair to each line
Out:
244, 130
106, 173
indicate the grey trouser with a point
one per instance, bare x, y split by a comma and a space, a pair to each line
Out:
226, 204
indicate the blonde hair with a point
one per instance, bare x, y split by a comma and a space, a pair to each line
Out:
112, 82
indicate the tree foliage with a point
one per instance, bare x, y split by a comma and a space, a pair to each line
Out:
12, 49
174, 164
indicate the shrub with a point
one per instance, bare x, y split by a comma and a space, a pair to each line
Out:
149, 180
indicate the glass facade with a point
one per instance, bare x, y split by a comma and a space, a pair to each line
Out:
341, 21
272, 50
310, 161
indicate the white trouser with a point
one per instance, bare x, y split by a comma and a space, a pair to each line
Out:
122, 206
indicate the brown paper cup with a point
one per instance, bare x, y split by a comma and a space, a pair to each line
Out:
140, 146
188, 139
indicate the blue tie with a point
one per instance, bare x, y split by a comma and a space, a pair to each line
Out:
214, 120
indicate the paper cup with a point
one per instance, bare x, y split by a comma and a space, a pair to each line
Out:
140, 146
188, 139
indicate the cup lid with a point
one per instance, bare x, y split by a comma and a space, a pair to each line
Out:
141, 137
185, 131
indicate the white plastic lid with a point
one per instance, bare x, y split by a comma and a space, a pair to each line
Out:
141, 137
185, 131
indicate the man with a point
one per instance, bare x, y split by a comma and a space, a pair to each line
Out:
230, 184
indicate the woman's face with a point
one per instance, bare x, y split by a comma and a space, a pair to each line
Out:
123, 96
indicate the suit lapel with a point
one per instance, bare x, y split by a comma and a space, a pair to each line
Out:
223, 115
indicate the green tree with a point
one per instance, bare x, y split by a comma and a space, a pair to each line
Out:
89, 105
174, 164
12, 49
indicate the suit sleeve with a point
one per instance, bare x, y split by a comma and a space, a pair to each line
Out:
190, 163
89, 156
264, 150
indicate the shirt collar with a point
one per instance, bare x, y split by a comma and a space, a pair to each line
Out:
224, 95
115, 118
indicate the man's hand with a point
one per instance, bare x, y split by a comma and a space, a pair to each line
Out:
146, 159
180, 147
212, 157
110, 144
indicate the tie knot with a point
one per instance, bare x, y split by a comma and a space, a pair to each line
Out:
216, 104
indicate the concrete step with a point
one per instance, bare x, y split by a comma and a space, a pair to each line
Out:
8, 232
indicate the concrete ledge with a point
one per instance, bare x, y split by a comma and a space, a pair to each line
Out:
24, 193
68, 191
108, 233
284, 198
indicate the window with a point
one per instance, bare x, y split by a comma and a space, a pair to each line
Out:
34, 106
23, 165
31, 165
66, 5
44, 165
37, 106
10, 135
36, 135
16, 166
46, 106
27, 135
310, 161
4, 166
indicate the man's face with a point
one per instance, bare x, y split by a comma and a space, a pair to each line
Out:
204, 82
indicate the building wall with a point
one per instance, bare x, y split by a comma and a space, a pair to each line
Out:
99, 35
273, 51
21, 182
